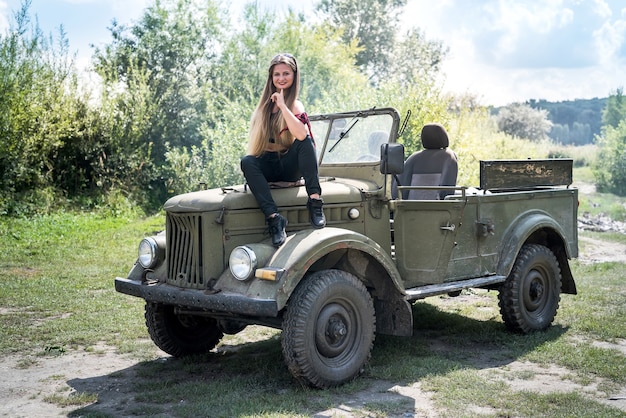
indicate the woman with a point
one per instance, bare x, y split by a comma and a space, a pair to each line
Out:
281, 148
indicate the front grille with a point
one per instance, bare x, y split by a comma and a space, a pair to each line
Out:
184, 250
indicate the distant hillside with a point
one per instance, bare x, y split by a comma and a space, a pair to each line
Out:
576, 122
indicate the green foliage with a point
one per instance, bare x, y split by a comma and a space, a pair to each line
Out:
579, 134
125, 154
575, 122
474, 136
615, 110
30, 202
215, 163
415, 58
42, 115
522, 121
610, 171
424, 102
155, 75
239, 73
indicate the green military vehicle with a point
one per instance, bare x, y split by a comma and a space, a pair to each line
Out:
394, 235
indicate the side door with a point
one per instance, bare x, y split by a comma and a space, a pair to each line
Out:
425, 234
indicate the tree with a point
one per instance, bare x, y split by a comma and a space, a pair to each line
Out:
615, 110
575, 122
368, 22
155, 75
383, 52
522, 121
610, 171
174, 45
43, 116
415, 58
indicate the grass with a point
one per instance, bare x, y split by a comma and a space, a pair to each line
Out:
598, 204
57, 298
73, 399
56, 278
603, 204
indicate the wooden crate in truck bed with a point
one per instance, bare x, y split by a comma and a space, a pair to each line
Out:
524, 174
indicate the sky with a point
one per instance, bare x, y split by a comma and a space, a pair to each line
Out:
501, 51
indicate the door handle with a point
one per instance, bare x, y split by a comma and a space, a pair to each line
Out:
448, 227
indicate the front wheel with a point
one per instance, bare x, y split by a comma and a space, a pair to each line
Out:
328, 329
180, 335
529, 298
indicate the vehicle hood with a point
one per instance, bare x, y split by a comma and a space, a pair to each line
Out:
240, 197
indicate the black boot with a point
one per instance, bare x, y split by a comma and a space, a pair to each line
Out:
316, 213
276, 226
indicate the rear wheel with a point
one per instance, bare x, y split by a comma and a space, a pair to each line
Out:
328, 329
529, 298
180, 335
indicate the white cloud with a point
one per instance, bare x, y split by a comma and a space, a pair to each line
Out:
609, 40
602, 9
4, 16
80, 1
516, 17
129, 7
514, 50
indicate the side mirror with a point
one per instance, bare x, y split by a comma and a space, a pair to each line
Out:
392, 158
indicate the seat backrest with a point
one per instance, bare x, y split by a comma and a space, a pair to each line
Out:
374, 142
435, 165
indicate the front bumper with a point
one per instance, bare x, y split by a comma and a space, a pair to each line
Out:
221, 302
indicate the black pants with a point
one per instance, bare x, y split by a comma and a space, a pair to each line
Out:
299, 161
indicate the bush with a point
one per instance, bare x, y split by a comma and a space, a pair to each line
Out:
522, 121
31, 202
610, 171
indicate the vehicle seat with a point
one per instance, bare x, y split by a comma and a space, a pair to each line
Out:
374, 141
435, 165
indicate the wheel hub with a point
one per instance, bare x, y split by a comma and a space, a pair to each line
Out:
336, 330
535, 292
332, 335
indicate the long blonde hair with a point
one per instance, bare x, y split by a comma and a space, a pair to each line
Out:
262, 125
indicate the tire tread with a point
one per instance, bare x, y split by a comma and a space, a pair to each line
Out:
510, 298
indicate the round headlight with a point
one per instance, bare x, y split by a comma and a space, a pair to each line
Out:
242, 263
148, 253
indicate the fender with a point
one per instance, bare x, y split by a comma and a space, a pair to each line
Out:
518, 233
301, 250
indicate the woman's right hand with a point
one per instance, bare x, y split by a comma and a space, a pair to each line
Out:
279, 99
